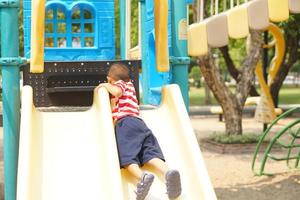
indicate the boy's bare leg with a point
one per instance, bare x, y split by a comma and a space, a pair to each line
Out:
172, 177
143, 181
135, 171
158, 165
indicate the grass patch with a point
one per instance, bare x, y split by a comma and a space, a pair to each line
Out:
234, 139
287, 95
197, 96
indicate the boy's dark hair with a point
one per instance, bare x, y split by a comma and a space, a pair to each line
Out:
119, 71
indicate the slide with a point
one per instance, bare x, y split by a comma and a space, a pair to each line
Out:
73, 155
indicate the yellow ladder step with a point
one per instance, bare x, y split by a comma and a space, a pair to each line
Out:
197, 39
278, 10
258, 14
294, 6
237, 19
217, 31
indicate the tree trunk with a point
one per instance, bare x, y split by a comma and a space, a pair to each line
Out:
207, 97
233, 71
227, 100
233, 118
232, 103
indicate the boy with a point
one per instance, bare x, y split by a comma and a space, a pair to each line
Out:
136, 143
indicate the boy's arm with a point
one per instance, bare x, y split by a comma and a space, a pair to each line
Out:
112, 89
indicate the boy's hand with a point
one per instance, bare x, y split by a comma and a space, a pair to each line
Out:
101, 85
114, 90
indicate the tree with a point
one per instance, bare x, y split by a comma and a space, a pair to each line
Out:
233, 71
232, 103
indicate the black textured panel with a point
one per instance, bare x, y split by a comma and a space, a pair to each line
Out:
72, 83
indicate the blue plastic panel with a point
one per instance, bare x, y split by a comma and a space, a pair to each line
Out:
155, 79
75, 30
189, 1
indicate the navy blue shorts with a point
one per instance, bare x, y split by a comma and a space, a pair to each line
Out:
136, 143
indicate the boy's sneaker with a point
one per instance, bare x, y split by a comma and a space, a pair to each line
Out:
173, 184
143, 186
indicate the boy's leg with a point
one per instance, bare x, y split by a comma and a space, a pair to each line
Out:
172, 177
143, 180
135, 171
158, 165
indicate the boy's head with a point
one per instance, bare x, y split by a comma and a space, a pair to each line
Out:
118, 71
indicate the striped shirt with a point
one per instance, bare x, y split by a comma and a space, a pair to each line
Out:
126, 104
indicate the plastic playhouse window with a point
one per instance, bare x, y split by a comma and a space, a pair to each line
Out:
61, 28
60, 14
88, 42
76, 42
83, 30
88, 28
79, 34
76, 14
87, 14
49, 14
76, 28
49, 28
49, 42
62, 42
55, 25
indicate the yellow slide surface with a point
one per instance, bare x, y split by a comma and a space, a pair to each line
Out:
73, 155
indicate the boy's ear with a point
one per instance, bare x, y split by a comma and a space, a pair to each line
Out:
109, 79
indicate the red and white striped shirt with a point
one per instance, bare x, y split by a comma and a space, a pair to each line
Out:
126, 104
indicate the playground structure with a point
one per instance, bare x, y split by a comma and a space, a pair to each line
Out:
290, 144
45, 136
235, 23
215, 32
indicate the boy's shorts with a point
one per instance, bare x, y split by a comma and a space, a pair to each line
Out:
136, 143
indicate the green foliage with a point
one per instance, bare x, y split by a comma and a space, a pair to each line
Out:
285, 25
296, 67
237, 50
195, 75
134, 23
234, 139
117, 28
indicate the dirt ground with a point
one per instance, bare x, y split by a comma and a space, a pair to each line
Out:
230, 173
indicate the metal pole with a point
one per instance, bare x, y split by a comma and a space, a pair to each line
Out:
211, 8
216, 7
128, 29
265, 65
265, 56
123, 29
144, 52
201, 10
180, 60
10, 94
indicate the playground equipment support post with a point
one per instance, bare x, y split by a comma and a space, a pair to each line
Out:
265, 65
10, 93
180, 60
123, 29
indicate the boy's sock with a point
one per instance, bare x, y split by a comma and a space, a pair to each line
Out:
143, 186
173, 184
